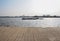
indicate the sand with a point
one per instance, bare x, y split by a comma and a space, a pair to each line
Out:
29, 34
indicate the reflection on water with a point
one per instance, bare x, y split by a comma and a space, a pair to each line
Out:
47, 22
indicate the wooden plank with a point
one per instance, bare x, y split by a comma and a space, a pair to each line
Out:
29, 34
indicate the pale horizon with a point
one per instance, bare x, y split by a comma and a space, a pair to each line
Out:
29, 7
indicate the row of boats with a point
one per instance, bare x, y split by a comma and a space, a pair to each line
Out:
38, 17
31, 17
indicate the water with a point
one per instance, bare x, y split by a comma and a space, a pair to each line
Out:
46, 22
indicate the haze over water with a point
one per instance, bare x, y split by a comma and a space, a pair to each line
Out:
29, 8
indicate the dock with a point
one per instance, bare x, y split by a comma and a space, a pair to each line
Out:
29, 34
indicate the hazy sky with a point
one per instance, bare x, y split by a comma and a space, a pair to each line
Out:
29, 7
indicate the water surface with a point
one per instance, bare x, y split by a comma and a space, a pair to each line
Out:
46, 22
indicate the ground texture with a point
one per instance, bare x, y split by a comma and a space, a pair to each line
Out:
29, 34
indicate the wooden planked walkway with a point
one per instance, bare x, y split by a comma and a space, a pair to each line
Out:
29, 34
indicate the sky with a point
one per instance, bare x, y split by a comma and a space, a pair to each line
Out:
29, 7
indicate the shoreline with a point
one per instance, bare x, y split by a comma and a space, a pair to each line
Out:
28, 26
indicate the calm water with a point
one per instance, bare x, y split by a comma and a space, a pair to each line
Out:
46, 22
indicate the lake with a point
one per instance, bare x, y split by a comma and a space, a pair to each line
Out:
46, 22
